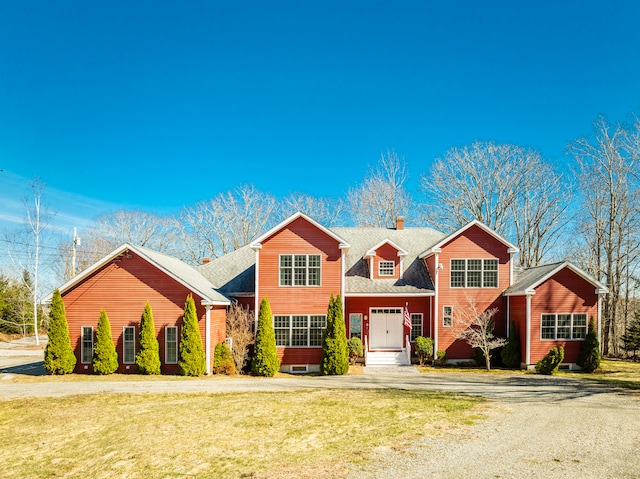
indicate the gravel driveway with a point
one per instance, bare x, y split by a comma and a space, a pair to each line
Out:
537, 426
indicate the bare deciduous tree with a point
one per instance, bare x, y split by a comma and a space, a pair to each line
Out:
327, 211
382, 197
476, 328
610, 216
239, 323
227, 222
509, 188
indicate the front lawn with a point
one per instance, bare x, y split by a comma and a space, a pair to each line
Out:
310, 433
612, 371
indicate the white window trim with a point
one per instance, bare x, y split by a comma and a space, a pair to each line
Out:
386, 264
450, 316
466, 273
166, 342
308, 328
124, 345
82, 345
360, 316
416, 315
555, 327
293, 267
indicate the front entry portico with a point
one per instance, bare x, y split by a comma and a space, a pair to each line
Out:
386, 328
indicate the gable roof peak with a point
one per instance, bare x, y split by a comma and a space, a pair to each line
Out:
372, 252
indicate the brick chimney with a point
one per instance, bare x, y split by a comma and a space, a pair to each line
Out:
206, 260
399, 222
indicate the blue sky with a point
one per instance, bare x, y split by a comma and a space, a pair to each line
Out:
156, 105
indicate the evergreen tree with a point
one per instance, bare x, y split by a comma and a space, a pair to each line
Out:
631, 337
589, 358
192, 360
223, 362
105, 356
58, 355
335, 354
510, 355
148, 357
551, 361
265, 360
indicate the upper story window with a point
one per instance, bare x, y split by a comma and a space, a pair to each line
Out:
474, 273
386, 268
300, 270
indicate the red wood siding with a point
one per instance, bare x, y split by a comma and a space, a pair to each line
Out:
474, 243
299, 237
122, 288
518, 316
565, 292
386, 252
363, 305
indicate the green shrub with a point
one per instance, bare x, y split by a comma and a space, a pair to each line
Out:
105, 356
265, 361
58, 355
552, 360
191, 361
441, 357
335, 356
511, 353
589, 359
354, 345
424, 349
148, 357
223, 362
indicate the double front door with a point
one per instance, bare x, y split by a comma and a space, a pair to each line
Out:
386, 328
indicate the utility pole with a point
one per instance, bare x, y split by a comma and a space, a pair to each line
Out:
76, 242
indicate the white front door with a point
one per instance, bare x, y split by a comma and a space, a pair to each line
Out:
386, 328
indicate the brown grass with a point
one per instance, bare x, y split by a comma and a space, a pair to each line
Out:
315, 433
612, 371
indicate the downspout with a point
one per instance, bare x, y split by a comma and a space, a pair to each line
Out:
528, 337
436, 322
207, 341
508, 317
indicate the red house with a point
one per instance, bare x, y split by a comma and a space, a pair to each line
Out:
396, 284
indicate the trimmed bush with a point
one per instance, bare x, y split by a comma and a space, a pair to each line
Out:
424, 349
589, 359
441, 357
265, 361
354, 345
191, 361
510, 355
223, 362
552, 360
335, 357
58, 355
148, 357
105, 356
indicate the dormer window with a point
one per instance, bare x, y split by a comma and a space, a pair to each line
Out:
300, 270
386, 268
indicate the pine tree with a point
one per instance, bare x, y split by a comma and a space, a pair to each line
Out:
105, 356
631, 337
265, 360
58, 355
192, 361
589, 358
148, 357
510, 355
335, 354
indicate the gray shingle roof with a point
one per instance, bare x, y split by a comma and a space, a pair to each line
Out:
527, 278
414, 241
233, 273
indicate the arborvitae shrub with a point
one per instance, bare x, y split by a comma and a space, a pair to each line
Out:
148, 356
589, 359
552, 360
191, 361
335, 356
58, 355
265, 361
424, 349
511, 353
223, 362
441, 357
354, 345
105, 356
